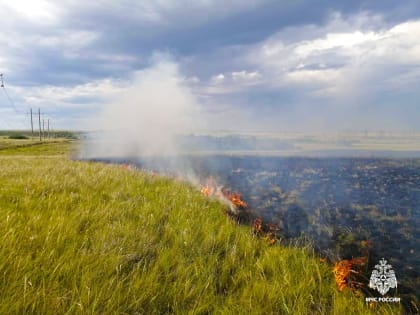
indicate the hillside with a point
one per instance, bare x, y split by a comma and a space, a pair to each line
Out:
89, 238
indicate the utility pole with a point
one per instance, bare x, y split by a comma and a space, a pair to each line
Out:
39, 120
43, 128
48, 134
32, 125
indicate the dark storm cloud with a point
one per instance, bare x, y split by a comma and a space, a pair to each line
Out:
182, 31
186, 31
269, 57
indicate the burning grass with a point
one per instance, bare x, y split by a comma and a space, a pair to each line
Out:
88, 238
346, 274
238, 208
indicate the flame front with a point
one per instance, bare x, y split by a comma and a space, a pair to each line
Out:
344, 268
210, 190
207, 191
235, 198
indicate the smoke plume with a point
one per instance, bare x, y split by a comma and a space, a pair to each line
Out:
144, 118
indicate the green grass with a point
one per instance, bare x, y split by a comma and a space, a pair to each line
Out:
34, 147
88, 238
53, 133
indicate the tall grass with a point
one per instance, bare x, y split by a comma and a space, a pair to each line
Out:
88, 238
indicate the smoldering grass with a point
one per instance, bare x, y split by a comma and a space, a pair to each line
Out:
88, 238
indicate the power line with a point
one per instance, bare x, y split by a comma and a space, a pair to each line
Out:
10, 99
22, 121
7, 124
7, 94
12, 103
2, 85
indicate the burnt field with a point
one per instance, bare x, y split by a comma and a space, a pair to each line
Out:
345, 207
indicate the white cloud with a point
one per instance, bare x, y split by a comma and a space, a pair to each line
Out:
79, 100
313, 77
359, 57
352, 67
217, 79
32, 31
340, 58
66, 96
245, 76
336, 41
226, 83
38, 11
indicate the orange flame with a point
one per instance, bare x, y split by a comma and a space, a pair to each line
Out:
341, 272
344, 268
267, 232
209, 189
271, 234
235, 198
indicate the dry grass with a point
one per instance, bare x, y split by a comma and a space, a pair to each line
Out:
88, 238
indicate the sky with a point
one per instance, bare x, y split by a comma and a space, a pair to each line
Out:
251, 66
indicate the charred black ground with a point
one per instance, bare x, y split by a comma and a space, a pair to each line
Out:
347, 207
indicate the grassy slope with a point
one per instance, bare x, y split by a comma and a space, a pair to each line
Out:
79, 237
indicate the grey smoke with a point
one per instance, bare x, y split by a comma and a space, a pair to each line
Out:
146, 116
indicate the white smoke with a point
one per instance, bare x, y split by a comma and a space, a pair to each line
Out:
144, 118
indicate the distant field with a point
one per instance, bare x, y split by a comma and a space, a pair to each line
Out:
52, 134
88, 238
33, 147
21, 142
349, 144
